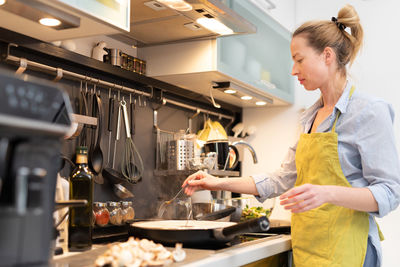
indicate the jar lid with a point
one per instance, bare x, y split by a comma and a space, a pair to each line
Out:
113, 204
99, 204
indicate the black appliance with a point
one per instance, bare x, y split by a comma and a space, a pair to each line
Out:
34, 116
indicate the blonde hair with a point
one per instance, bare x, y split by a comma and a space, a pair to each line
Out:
331, 33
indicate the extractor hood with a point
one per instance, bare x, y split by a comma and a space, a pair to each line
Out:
154, 22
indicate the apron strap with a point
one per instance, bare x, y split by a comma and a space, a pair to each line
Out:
338, 112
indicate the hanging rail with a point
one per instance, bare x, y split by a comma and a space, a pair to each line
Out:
23, 64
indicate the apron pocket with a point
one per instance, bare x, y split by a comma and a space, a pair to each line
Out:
311, 235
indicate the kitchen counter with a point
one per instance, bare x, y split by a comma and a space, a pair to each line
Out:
236, 255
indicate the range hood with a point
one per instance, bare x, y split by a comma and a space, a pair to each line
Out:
154, 23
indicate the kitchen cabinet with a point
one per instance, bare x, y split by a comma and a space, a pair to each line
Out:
258, 65
23, 17
263, 59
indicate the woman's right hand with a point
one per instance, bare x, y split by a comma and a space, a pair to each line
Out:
200, 180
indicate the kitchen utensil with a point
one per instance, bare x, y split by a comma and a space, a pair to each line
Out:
84, 110
211, 211
163, 205
195, 232
132, 115
113, 176
132, 164
110, 173
179, 151
111, 102
96, 154
122, 192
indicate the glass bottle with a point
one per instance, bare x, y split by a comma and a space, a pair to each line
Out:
80, 218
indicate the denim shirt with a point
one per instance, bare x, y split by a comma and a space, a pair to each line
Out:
367, 153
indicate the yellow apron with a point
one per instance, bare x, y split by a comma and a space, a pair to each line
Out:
329, 235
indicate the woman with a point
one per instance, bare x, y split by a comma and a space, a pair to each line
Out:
344, 170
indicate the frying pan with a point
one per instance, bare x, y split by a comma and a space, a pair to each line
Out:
194, 232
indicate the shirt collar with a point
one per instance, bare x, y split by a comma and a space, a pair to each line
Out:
341, 105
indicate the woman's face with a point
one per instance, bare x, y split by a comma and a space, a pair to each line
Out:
309, 65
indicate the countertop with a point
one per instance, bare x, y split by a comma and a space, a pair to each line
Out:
236, 255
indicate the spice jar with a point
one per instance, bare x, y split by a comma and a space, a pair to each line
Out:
128, 213
101, 213
114, 209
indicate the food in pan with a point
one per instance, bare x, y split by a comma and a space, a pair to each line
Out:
140, 252
254, 212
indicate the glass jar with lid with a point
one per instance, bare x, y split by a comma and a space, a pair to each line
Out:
102, 215
128, 213
115, 211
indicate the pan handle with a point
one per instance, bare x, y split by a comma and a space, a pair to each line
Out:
255, 225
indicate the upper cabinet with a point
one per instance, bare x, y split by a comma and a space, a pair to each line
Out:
263, 59
255, 65
74, 19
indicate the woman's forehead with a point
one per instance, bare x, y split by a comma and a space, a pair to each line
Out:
299, 45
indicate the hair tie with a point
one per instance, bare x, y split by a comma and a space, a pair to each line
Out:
341, 26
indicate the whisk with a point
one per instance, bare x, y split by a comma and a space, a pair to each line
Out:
132, 164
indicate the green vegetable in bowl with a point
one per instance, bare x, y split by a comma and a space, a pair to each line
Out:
254, 212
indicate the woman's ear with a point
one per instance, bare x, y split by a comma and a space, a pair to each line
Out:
329, 55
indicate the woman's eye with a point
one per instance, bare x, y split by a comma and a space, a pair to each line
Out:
300, 60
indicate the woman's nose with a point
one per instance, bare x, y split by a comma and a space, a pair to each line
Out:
294, 70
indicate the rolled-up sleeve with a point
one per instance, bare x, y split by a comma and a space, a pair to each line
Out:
379, 156
274, 184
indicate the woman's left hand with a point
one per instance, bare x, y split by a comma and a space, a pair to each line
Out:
304, 197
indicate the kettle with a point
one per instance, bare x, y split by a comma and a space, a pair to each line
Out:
227, 154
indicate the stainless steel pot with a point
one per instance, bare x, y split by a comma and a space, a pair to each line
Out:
212, 211
180, 210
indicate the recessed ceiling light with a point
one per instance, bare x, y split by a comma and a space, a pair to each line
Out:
2, 2
246, 97
230, 91
261, 103
49, 22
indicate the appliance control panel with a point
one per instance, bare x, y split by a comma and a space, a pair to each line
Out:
29, 102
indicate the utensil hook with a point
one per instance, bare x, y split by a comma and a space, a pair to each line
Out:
59, 75
189, 129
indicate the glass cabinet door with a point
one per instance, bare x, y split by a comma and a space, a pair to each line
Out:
262, 59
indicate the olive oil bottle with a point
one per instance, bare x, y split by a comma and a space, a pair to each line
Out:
81, 218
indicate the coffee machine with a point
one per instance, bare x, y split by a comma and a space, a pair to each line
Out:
34, 116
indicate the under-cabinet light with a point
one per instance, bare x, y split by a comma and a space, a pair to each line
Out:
230, 91
36, 10
246, 97
179, 5
49, 22
2, 2
214, 26
261, 103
